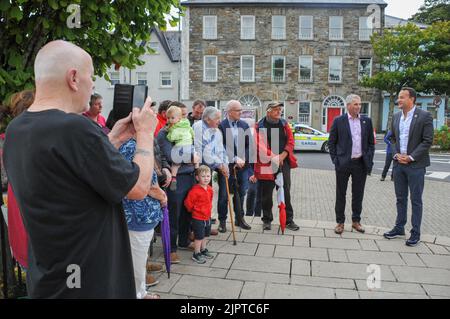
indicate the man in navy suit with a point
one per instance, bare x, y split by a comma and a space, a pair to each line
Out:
412, 132
236, 138
352, 148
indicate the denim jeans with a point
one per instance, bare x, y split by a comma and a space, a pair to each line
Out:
413, 178
222, 204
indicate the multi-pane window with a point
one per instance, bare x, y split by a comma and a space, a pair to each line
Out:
336, 28
247, 68
278, 27
248, 27
209, 27
304, 112
213, 104
335, 69
210, 68
278, 68
365, 109
305, 28
306, 68
155, 47
364, 68
141, 78
165, 79
115, 78
365, 28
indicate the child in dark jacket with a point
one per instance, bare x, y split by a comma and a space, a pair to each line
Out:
199, 203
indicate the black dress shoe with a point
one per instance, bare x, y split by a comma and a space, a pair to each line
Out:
244, 225
222, 227
267, 226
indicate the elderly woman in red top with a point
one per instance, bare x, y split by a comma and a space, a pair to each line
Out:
199, 203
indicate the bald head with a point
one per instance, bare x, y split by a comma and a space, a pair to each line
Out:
57, 57
234, 109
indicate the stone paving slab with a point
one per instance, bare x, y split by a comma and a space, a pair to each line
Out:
228, 247
262, 264
337, 255
264, 277
435, 261
301, 267
339, 243
346, 294
389, 295
437, 249
208, 287
422, 275
323, 282
434, 290
286, 240
223, 260
265, 250
277, 291
301, 253
397, 245
412, 260
347, 270
253, 290
395, 287
199, 271
372, 257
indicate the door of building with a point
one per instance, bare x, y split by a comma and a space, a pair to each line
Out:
332, 113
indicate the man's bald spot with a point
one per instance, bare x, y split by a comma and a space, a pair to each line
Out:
56, 57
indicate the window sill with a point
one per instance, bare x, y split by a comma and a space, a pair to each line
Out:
166, 87
310, 81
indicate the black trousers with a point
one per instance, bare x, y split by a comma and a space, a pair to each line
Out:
358, 172
387, 164
267, 192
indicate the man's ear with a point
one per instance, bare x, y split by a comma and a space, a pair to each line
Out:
72, 79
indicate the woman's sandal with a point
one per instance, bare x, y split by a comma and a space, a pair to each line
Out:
152, 296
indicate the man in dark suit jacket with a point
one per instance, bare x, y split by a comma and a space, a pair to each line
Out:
412, 133
352, 147
236, 139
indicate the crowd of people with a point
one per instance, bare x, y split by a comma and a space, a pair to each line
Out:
92, 195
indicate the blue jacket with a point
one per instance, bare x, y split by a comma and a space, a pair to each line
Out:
387, 140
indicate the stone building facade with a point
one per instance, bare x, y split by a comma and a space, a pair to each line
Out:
314, 101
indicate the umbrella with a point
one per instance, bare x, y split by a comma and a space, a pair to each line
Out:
280, 198
165, 238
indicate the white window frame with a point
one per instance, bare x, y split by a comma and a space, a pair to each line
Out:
359, 65
253, 68
299, 68
251, 35
309, 114
273, 69
161, 85
213, 29
216, 103
111, 78
329, 69
204, 67
156, 51
369, 108
300, 35
365, 28
140, 74
283, 37
331, 36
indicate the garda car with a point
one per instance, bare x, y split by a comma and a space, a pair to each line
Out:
308, 138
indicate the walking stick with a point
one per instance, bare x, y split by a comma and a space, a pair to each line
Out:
231, 211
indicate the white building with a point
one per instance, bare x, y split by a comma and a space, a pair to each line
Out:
160, 72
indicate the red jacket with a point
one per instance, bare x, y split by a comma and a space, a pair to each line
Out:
161, 123
199, 202
263, 168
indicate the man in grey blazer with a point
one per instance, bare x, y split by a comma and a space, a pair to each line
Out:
412, 133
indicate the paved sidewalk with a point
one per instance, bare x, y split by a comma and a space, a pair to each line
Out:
311, 263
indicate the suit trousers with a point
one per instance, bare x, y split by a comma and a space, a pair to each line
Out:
413, 178
222, 203
267, 187
358, 171
179, 217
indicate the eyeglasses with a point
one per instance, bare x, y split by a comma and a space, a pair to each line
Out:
239, 110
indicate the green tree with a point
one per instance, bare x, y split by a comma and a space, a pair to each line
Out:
433, 11
397, 52
112, 32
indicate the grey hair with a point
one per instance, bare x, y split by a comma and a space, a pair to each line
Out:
230, 104
351, 97
210, 113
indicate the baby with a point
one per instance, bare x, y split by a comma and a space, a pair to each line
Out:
181, 134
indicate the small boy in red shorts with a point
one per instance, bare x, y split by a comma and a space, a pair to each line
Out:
199, 203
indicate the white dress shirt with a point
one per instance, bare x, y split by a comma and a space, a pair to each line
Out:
405, 124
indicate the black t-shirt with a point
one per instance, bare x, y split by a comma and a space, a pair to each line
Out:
69, 181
